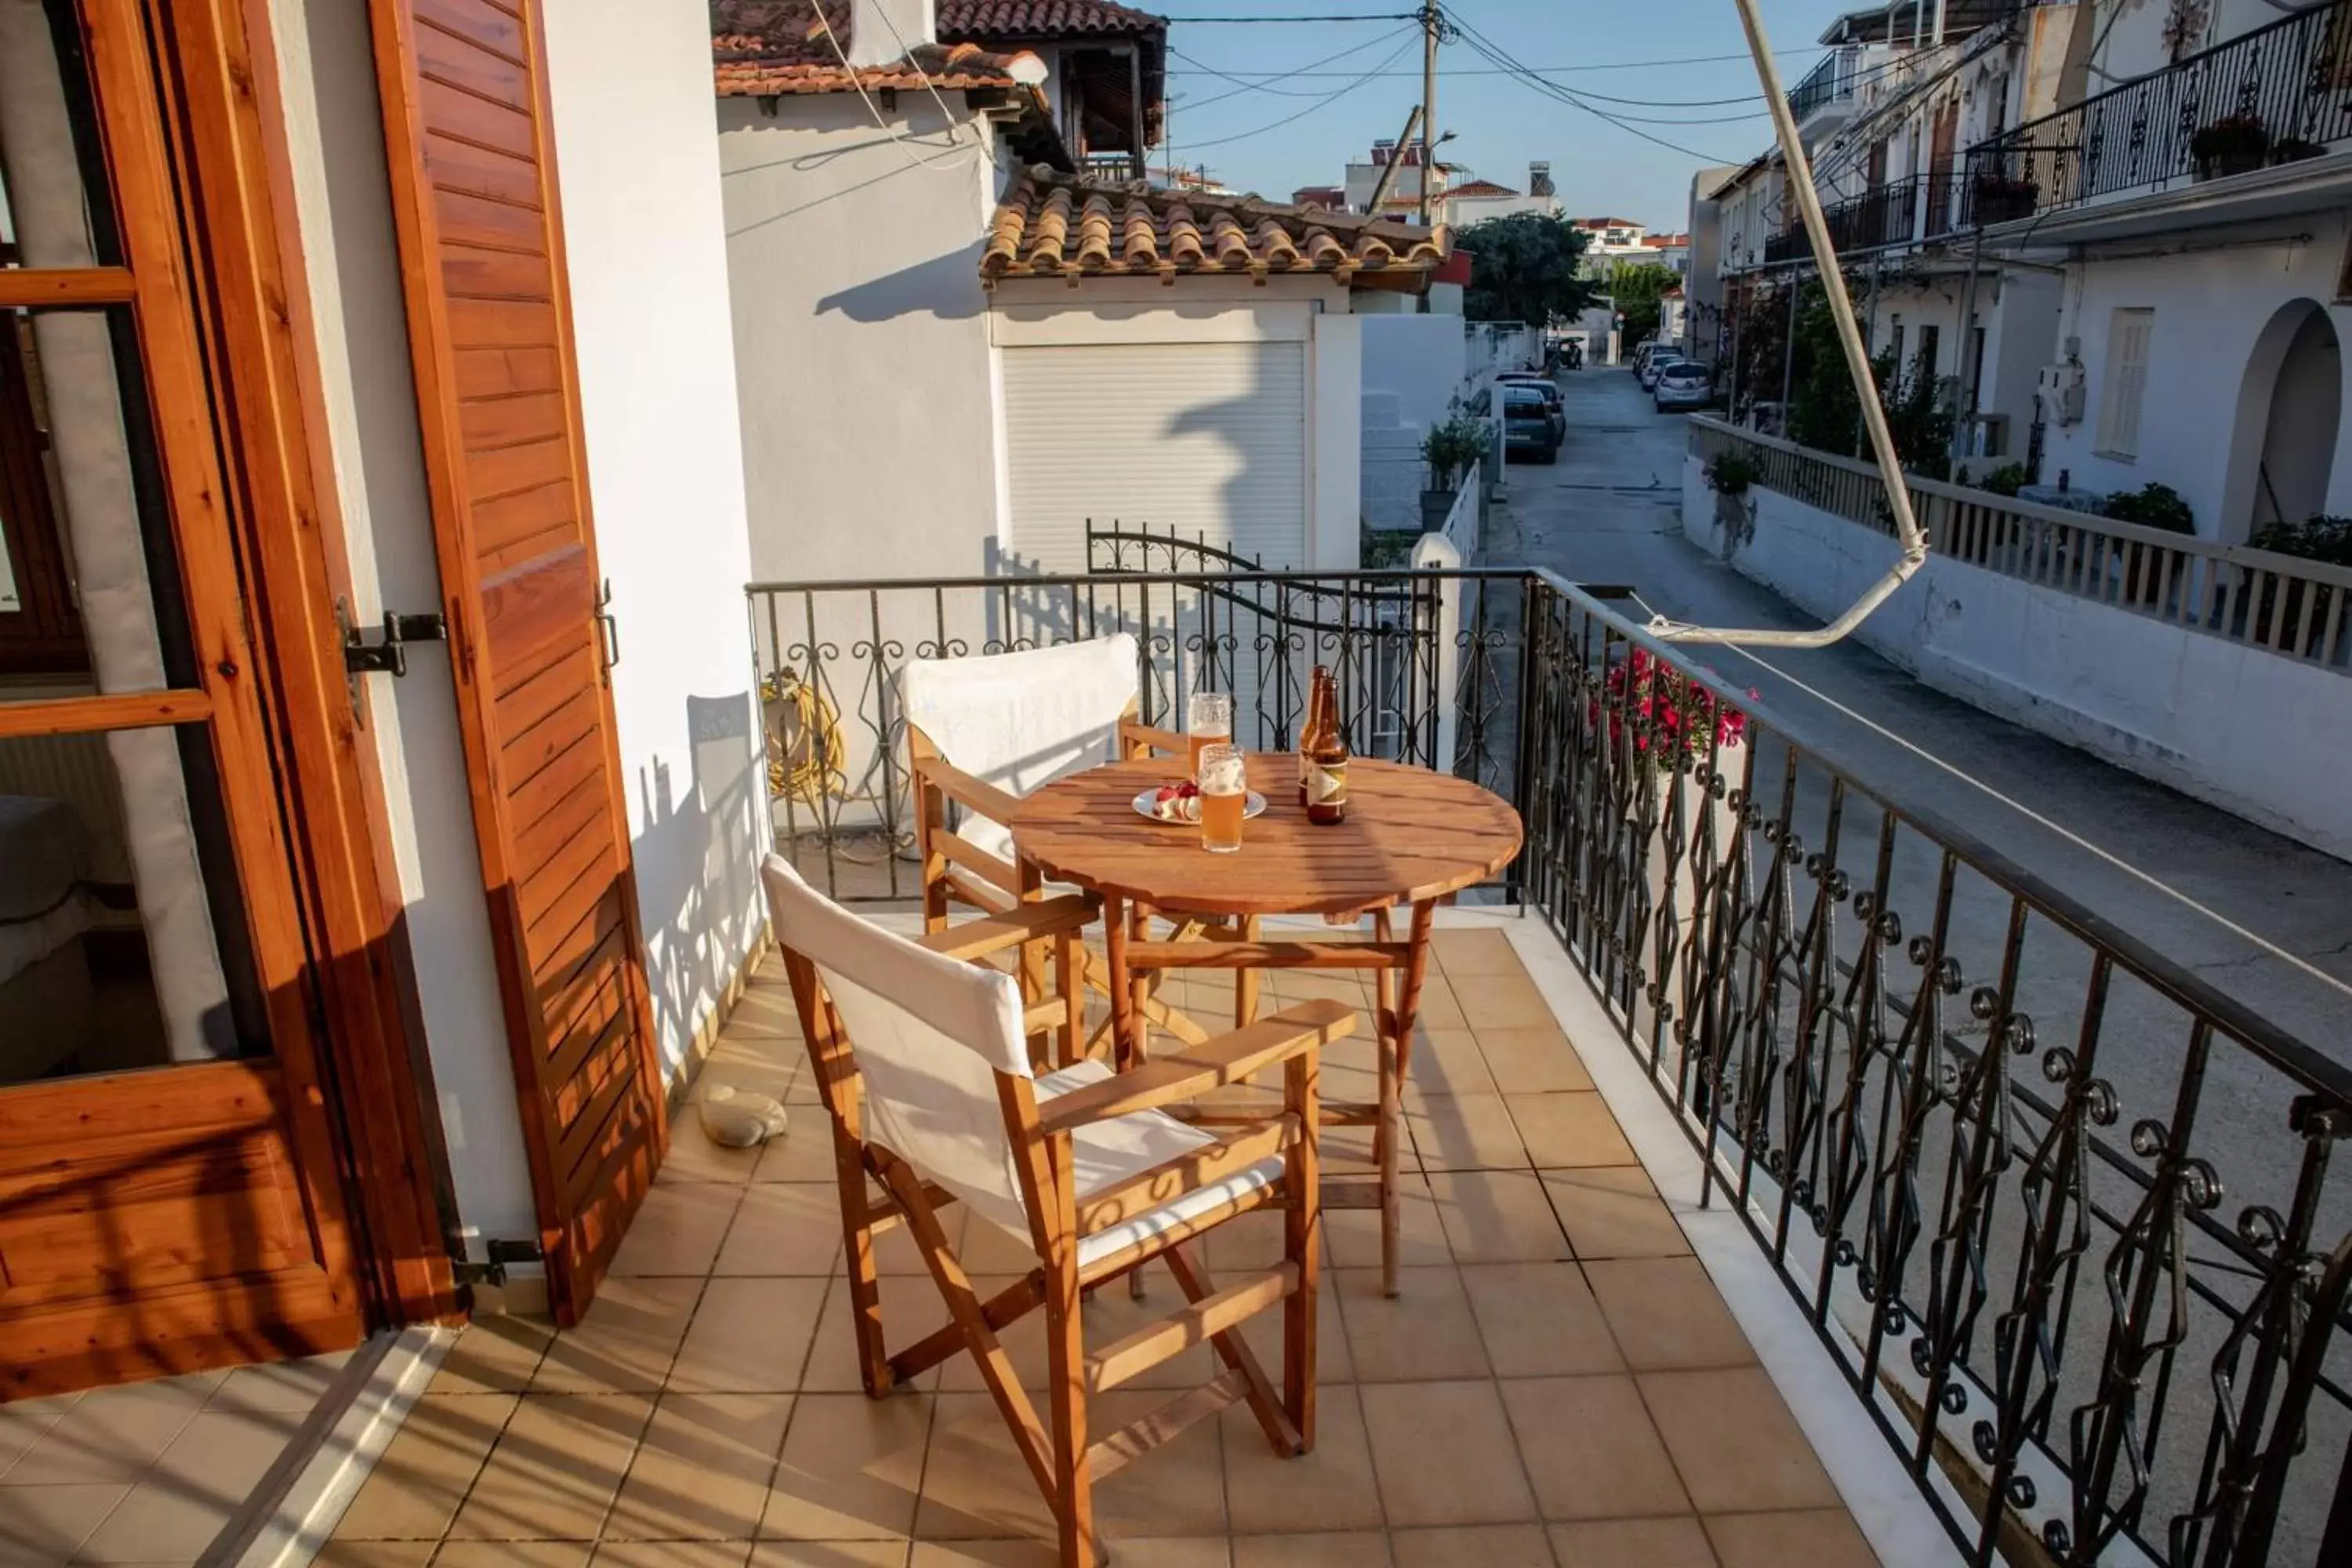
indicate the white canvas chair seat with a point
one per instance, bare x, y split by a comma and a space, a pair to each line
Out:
1105, 1154
923, 1063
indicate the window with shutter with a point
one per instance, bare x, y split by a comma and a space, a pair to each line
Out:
2128, 334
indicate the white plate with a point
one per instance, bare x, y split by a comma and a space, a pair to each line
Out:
1252, 804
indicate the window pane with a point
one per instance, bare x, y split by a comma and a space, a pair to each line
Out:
122, 942
87, 536
54, 207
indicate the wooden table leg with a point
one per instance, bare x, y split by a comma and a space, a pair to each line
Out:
1122, 999
1400, 1001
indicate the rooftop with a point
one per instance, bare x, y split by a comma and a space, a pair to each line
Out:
745, 67
1042, 20
1054, 226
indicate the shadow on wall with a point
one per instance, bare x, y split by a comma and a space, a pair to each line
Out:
697, 870
946, 287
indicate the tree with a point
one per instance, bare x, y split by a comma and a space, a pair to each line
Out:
1637, 287
1523, 268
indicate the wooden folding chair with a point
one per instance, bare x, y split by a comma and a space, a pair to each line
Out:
1082, 1166
983, 732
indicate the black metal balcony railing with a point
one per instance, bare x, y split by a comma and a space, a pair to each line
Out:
2292, 78
1828, 82
1896, 212
2063, 1214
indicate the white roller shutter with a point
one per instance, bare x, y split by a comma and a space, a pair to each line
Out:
1207, 439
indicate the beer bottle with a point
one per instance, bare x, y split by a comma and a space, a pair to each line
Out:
1327, 765
1318, 708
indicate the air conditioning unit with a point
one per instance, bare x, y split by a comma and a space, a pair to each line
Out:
2058, 393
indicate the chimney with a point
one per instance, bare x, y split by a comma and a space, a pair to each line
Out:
882, 32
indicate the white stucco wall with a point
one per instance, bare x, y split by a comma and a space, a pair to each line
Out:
1414, 368
861, 339
342, 202
2211, 307
646, 240
2188, 710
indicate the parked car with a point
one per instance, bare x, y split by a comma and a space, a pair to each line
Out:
1682, 384
1656, 363
1528, 422
1550, 391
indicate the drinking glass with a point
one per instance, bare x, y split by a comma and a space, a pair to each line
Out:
1209, 722
1225, 790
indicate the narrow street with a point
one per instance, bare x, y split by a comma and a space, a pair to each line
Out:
2259, 916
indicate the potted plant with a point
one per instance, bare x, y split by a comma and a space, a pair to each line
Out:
1730, 475
1452, 450
2157, 506
2005, 480
2002, 198
2233, 144
2295, 150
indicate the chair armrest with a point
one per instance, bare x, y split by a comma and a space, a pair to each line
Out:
1027, 922
960, 786
1212, 1065
1137, 738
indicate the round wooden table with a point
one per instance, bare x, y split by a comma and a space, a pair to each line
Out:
1412, 837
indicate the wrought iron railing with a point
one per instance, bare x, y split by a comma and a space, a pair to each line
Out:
1895, 212
2281, 603
1828, 82
2292, 79
2062, 1214
1117, 168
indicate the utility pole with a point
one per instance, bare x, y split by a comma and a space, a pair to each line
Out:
1431, 22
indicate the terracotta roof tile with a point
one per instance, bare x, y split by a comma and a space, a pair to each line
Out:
1479, 188
1041, 19
750, 74
1053, 225
778, 31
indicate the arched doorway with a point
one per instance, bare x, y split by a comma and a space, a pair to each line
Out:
2289, 405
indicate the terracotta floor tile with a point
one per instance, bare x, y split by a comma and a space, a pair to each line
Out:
1165, 1551
496, 1353
1479, 1546
111, 1436
1355, 1234
626, 1342
1539, 1319
1444, 1455
1501, 1001
975, 1486
830, 1554
693, 1157
512, 1554
1440, 1008
1590, 1447
1424, 1333
764, 1013
555, 1470
1486, 951
1569, 1130
679, 1230
41, 1525
375, 1554
1447, 1061
1465, 1132
1611, 1211
1737, 1446
1024, 1340
295, 1386
1533, 1061
1497, 1217
749, 1336
1357, 1549
1676, 1541
22, 1424
911, 1308
803, 1153
1111, 1312
671, 1554
416, 1487
1333, 1362
199, 1483
1667, 1315
1176, 1489
783, 1228
1811, 1537
1333, 1488
702, 1469
851, 1469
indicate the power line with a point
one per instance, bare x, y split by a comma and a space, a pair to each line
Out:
1396, 16
1372, 43
1323, 102
1552, 90
1508, 70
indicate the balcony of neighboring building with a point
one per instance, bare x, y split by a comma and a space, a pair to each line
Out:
2257, 127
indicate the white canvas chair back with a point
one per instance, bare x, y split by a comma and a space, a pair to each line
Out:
1019, 720
929, 1034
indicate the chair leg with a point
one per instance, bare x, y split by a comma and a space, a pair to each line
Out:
1245, 982
864, 1282
1302, 1243
1066, 1356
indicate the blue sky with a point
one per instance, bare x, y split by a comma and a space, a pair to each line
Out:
1500, 122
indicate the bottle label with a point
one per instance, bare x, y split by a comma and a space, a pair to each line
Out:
1326, 784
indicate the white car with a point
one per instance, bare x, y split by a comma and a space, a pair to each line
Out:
1658, 362
1682, 384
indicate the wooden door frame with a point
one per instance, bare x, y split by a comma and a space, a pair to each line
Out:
256, 323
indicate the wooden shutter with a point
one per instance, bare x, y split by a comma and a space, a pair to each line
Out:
2128, 333
464, 84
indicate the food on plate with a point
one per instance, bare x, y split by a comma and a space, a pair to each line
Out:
1177, 802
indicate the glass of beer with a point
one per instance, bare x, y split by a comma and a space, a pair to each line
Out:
1225, 790
1209, 723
